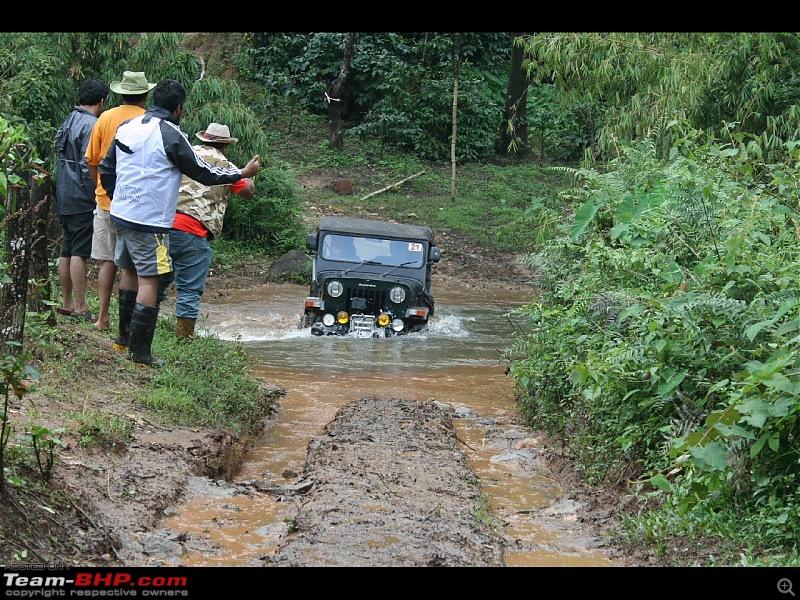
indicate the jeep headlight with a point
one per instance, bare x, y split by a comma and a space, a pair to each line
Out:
397, 294
328, 319
335, 288
397, 325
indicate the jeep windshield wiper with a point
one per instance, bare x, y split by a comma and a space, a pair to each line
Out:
405, 264
362, 263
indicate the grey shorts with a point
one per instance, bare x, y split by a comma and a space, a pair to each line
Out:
104, 238
148, 253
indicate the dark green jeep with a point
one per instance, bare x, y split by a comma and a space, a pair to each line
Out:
369, 277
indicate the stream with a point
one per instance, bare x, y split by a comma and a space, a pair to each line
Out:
457, 360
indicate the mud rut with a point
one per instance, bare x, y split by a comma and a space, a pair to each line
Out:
390, 488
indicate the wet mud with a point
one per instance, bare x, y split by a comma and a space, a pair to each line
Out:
391, 488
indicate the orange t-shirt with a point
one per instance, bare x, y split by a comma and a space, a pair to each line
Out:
102, 135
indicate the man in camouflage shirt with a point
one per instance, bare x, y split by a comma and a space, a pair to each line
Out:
200, 213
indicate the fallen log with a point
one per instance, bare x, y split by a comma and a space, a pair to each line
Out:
394, 185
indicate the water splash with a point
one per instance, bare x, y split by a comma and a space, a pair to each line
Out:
275, 327
449, 325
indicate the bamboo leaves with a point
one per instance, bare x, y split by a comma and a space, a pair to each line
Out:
635, 83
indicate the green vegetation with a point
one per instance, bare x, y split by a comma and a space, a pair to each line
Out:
621, 87
482, 511
109, 431
663, 349
205, 383
664, 346
400, 94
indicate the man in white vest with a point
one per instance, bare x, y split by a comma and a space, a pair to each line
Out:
142, 173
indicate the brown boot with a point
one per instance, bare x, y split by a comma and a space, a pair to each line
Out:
185, 328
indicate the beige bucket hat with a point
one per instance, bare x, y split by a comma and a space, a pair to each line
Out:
133, 83
217, 133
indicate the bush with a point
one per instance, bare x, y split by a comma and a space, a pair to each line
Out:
664, 347
270, 222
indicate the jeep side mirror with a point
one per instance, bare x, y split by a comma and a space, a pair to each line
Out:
435, 254
311, 241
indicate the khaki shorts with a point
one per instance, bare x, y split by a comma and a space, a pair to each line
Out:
104, 239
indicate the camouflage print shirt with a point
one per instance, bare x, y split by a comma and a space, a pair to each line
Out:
205, 203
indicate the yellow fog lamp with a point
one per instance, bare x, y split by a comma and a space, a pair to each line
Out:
342, 317
384, 319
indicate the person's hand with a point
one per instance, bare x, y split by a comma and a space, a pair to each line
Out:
249, 189
251, 168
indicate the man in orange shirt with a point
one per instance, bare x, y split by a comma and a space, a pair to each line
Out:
134, 89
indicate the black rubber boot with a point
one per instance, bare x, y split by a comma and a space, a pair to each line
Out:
140, 340
127, 303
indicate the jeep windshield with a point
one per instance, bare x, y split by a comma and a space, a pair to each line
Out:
373, 251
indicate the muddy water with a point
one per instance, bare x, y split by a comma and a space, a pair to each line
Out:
457, 361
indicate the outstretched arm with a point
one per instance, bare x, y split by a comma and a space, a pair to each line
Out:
247, 189
180, 152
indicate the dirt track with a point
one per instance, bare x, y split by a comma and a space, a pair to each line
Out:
391, 488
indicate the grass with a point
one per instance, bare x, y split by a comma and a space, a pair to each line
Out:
482, 511
717, 536
495, 210
205, 383
101, 429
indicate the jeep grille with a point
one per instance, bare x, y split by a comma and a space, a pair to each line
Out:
366, 299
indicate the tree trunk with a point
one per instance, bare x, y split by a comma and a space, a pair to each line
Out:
425, 46
338, 91
456, 59
41, 202
514, 128
18, 225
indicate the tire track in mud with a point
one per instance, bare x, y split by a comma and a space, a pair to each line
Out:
391, 488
